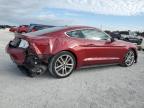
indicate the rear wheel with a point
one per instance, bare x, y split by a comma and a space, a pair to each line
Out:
129, 58
62, 64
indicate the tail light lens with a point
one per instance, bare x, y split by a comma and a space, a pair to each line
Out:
23, 44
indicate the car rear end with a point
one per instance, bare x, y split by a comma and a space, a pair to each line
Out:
34, 43
23, 52
33, 50
16, 49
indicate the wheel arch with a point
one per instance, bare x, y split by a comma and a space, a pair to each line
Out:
76, 58
135, 53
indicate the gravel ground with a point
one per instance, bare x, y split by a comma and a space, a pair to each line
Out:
101, 87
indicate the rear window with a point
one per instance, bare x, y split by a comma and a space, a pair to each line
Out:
45, 31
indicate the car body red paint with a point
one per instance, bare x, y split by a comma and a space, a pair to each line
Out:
17, 58
86, 51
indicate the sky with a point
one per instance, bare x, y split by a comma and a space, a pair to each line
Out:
103, 14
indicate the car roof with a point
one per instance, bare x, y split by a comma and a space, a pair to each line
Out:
77, 27
57, 29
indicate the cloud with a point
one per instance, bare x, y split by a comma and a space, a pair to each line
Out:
107, 7
33, 11
26, 11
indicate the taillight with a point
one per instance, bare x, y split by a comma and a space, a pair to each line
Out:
23, 44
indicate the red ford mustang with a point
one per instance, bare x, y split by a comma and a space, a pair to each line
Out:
63, 49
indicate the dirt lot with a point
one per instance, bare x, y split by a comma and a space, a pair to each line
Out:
101, 87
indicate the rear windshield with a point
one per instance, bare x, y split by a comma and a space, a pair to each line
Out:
45, 31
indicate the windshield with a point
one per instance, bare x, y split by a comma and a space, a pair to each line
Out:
133, 33
45, 31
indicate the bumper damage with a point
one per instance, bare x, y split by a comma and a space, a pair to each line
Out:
22, 57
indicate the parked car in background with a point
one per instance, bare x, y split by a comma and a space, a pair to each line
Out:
114, 34
31, 28
142, 34
64, 49
142, 45
131, 37
36, 27
13, 29
4, 26
23, 29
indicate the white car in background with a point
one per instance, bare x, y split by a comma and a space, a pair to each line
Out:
142, 45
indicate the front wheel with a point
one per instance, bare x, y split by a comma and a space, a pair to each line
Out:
62, 64
129, 58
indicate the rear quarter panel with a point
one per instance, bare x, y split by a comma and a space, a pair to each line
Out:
71, 45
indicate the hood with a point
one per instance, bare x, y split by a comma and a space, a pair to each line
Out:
124, 43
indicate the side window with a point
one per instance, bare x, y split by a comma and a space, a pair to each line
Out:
76, 34
94, 34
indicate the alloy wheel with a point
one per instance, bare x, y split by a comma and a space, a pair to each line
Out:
129, 59
64, 65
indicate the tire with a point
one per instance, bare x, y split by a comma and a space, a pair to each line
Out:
129, 59
62, 64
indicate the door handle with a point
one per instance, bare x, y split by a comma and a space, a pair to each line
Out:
89, 45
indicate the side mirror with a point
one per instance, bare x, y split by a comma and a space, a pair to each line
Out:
112, 39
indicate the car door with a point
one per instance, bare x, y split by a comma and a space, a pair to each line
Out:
98, 48
78, 40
